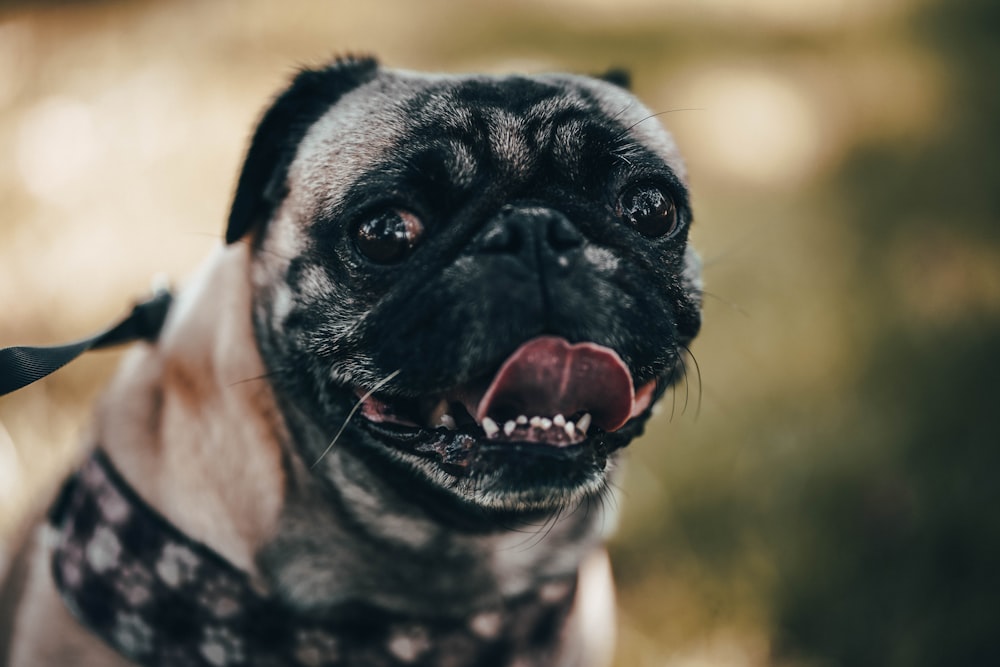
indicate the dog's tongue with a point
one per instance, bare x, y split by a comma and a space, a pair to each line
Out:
548, 376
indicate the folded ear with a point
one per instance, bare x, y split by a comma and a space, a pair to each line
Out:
618, 76
263, 181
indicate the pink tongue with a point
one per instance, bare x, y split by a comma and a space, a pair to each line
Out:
547, 376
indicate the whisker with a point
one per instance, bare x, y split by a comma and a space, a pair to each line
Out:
697, 368
550, 528
592, 502
244, 240
354, 410
609, 502
623, 110
589, 503
726, 302
538, 536
624, 133
673, 390
687, 388
612, 492
524, 527
586, 504
263, 376
261, 248
622, 158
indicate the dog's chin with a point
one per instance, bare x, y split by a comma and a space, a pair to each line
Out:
537, 434
508, 475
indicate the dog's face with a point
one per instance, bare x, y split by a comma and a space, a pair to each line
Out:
498, 266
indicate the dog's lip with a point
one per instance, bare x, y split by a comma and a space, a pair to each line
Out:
523, 428
467, 450
461, 453
457, 448
548, 391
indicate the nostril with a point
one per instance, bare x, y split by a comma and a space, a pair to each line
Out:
562, 234
502, 238
530, 233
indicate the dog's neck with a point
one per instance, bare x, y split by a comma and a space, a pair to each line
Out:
366, 536
160, 419
246, 494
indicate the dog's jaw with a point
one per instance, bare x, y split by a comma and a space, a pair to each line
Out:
372, 533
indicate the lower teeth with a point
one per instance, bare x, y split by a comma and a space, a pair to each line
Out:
535, 428
490, 427
538, 429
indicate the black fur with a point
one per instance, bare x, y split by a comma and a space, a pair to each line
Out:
619, 76
541, 162
262, 183
517, 184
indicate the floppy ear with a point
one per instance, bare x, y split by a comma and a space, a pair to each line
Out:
618, 76
263, 181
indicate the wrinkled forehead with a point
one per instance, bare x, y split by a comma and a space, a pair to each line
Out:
509, 123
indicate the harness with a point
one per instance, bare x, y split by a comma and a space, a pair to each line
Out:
163, 599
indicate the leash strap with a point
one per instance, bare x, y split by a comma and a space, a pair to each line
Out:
22, 365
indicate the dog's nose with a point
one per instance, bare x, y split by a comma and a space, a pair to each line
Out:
534, 234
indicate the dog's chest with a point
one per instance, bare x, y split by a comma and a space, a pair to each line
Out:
162, 599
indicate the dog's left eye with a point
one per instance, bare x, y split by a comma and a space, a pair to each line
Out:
389, 236
649, 210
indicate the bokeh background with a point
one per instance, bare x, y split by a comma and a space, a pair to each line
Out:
826, 494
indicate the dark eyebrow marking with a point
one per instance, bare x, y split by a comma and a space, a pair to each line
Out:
451, 162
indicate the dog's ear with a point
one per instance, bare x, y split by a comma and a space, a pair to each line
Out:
618, 76
263, 181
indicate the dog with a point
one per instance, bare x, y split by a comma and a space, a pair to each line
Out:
378, 426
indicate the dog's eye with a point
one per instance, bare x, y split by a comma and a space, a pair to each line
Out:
389, 236
649, 210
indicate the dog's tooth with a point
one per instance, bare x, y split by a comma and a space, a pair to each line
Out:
448, 422
536, 422
509, 427
559, 421
583, 423
522, 420
545, 423
434, 418
490, 427
570, 428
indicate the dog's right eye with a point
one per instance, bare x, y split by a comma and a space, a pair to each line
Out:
389, 236
649, 210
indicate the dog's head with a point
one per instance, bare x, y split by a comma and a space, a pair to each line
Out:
497, 268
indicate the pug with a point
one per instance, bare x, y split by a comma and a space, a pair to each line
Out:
381, 425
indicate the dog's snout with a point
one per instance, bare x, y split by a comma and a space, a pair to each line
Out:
531, 234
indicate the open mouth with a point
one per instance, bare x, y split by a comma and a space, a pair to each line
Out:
549, 394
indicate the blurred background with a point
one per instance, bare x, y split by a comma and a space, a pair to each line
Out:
826, 494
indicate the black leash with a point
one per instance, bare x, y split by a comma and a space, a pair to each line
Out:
22, 365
